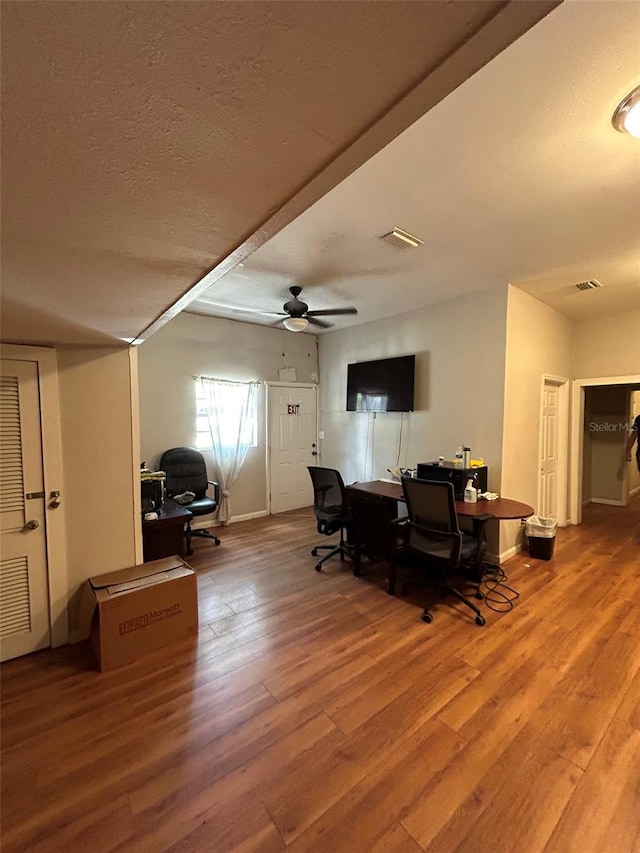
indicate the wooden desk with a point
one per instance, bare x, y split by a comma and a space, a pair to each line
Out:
480, 512
164, 536
501, 508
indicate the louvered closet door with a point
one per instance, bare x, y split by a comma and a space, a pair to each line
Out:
24, 601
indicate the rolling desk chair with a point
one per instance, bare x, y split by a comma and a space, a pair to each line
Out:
331, 509
434, 535
186, 470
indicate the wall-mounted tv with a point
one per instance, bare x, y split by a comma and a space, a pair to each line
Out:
385, 385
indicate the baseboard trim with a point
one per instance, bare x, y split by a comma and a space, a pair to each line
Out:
504, 555
248, 516
607, 502
634, 491
203, 524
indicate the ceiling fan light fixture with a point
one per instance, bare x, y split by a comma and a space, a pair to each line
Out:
295, 324
626, 117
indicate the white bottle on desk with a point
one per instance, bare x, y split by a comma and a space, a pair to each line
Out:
470, 492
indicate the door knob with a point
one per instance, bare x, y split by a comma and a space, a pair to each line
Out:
34, 524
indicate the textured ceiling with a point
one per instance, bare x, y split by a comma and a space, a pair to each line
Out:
516, 177
145, 143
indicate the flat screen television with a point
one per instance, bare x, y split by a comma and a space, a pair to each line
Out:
385, 385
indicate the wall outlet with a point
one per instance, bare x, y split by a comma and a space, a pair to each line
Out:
321, 434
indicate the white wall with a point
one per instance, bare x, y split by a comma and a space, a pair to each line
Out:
459, 388
538, 344
194, 345
607, 346
100, 464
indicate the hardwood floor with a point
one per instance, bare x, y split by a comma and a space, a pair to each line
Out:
317, 713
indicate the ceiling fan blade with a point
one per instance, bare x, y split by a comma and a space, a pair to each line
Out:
331, 312
258, 311
236, 309
321, 323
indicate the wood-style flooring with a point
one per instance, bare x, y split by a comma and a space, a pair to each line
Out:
318, 713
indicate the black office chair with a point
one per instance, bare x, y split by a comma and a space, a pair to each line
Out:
186, 471
377, 532
434, 535
331, 509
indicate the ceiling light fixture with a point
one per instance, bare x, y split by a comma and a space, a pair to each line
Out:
626, 117
295, 324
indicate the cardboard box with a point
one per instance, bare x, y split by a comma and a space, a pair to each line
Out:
141, 609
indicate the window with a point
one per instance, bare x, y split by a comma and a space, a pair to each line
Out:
231, 400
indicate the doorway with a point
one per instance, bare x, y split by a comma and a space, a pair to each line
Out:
600, 424
293, 445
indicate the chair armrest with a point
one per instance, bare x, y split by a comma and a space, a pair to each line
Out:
216, 490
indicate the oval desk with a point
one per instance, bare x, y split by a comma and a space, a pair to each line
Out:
501, 508
481, 512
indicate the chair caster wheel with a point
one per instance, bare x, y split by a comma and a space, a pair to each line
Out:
318, 567
479, 595
314, 552
480, 620
427, 617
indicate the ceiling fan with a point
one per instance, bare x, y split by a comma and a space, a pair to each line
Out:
296, 312
297, 316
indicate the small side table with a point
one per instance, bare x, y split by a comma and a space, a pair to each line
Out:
164, 536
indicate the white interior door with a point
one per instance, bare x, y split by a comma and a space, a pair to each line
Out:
292, 445
24, 597
548, 491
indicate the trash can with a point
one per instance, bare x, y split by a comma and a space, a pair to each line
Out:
541, 536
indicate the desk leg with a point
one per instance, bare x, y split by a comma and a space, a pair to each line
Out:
187, 536
480, 533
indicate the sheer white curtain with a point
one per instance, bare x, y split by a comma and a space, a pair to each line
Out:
231, 412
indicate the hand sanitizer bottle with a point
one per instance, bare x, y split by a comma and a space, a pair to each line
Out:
477, 485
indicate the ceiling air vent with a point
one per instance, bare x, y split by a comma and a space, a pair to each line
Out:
402, 239
592, 284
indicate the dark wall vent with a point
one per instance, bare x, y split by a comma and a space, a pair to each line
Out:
589, 285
